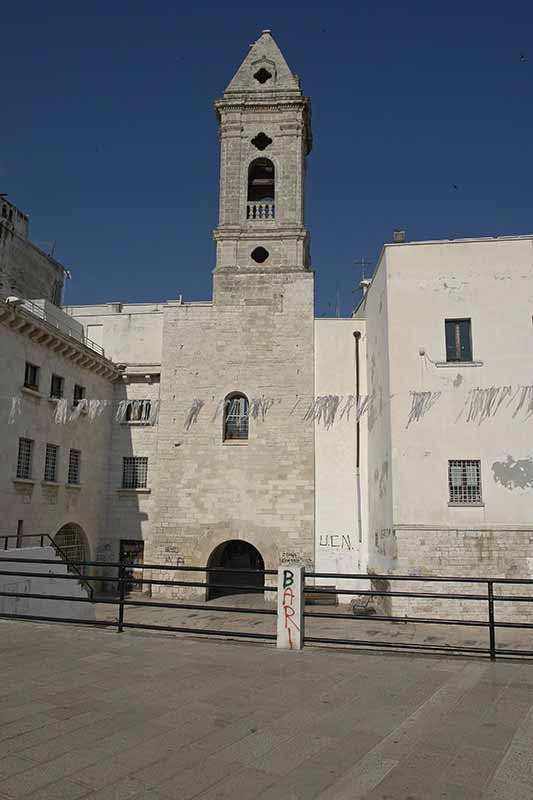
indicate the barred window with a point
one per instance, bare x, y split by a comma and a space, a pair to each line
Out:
236, 413
74, 467
464, 481
458, 339
31, 377
138, 410
134, 472
50, 462
79, 394
24, 459
56, 386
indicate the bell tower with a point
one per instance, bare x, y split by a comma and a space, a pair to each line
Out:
265, 138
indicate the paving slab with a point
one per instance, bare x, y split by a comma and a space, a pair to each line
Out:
152, 717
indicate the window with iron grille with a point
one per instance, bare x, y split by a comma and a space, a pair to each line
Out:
56, 386
134, 472
74, 467
138, 410
236, 413
458, 339
24, 459
79, 394
50, 462
31, 377
464, 481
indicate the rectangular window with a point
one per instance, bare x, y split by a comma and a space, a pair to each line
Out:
138, 410
24, 459
458, 339
464, 481
56, 387
74, 467
50, 462
134, 472
31, 377
79, 393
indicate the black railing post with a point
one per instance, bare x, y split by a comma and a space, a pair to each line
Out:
122, 590
492, 630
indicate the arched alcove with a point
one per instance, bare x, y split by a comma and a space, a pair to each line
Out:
72, 545
261, 181
235, 554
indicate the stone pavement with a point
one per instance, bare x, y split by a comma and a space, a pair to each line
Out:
88, 713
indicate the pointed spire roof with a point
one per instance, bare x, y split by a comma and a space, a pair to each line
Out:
264, 70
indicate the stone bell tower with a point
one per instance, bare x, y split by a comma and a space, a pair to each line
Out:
265, 136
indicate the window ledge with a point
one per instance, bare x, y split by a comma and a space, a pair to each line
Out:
54, 399
466, 505
133, 491
135, 422
54, 484
73, 486
236, 443
25, 481
458, 364
31, 392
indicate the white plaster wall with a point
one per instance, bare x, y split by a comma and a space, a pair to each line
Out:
490, 282
129, 333
340, 531
71, 589
44, 508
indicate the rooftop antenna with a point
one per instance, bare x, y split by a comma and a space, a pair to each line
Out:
364, 282
338, 303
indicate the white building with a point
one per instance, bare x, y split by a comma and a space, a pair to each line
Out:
241, 432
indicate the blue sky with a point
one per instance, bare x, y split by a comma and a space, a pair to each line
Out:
109, 141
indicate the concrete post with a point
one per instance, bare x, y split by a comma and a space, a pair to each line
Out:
290, 607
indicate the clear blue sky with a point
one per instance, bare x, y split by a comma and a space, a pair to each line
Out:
109, 141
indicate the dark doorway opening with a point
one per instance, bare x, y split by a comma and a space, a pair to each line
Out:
238, 555
132, 552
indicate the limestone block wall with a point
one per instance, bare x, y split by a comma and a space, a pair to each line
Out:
25, 271
463, 552
257, 338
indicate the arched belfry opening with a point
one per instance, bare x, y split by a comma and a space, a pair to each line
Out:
238, 555
261, 181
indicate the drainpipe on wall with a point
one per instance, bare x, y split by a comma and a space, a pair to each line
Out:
357, 337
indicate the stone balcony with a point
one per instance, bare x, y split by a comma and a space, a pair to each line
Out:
260, 210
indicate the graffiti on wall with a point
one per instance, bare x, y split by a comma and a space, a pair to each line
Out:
336, 541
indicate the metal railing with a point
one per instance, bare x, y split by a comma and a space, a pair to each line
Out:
36, 311
42, 538
121, 576
125, 579
489, 597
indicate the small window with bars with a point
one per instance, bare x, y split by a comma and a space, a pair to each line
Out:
138, 410
51, 462
24, 459
74, 467
458, 339
31, 377
56, 387
79, 394
134, 472
236, 414
464, 481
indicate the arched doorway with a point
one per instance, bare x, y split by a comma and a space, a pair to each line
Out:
238, 555
71, 544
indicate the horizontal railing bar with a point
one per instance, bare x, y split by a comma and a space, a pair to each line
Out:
520, 598
202, 631
196, 607
505, 651
399, 645
128, 566
57, 597
429, 578
373, 593
377, 618
72, 620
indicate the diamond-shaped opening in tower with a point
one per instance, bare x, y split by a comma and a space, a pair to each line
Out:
261, 141
262, 75
260, 255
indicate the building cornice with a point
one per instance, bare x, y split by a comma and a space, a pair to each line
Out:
22, 322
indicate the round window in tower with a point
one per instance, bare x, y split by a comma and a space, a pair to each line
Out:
260, 255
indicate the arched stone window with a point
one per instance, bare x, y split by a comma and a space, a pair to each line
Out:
236, 412
261, 181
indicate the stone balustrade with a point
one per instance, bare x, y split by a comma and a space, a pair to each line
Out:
260, 211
